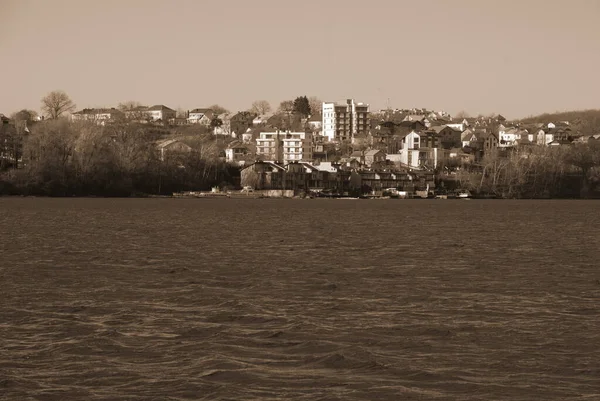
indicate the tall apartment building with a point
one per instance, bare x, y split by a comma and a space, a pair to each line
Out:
343, 121
285, 147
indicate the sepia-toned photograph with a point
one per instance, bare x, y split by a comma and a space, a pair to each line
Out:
276, 200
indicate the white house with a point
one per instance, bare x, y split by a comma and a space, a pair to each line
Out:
330, 167
247, 137
237, 152
459, 126
161, 112
99, 116
543, 137
200, 116
506, 137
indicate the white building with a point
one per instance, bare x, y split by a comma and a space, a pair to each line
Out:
99, 116
200, 116
161, 112
344, 120
284, 146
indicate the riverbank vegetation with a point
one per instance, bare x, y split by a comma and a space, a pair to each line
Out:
535, 172
63, 158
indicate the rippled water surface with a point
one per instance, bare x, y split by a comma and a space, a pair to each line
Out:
176, 299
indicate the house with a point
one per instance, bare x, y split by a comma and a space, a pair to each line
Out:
260, 120
200, 116
263, 175
418, 117
99, 116
350, 163
411, 141
137, 114
237, 153
171, 146
330, 167
467, 136
247, 137
315, 122
458, 126
161, 113
448, 136
374, 156
509, 136
241, 122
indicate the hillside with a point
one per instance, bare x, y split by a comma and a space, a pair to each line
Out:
586, 122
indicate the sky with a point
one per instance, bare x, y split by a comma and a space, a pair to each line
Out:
513, 57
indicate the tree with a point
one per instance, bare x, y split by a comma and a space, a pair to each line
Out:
216, 122
129, 105
24, 115
218, 110
260, 107
585, 157
286, 107
57, 103
302, 106
316, 105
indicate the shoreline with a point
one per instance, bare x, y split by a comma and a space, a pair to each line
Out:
225, 197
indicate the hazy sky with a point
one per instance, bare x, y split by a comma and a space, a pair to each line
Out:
514, 57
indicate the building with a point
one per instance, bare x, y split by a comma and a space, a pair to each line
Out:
315, 122
284, 146
99, 116
161, 113
238, 153
241, 122
200, 116
374, 156
263, 175
447, 137
171, 146
343, 121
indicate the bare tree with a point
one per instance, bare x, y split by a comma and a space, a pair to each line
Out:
218, 110
181, 113
316, 105
24, 115
57, 103
129, 105
286, 107
260, 107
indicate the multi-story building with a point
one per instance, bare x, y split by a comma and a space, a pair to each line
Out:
343, 121
161, 113
284, 146
99, 116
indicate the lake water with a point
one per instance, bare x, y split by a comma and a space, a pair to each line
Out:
207, 299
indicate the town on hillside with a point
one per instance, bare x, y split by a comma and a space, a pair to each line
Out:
310, 147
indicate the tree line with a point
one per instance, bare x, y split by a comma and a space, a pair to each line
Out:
63, 158
571, 171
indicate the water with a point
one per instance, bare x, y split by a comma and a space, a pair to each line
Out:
202, 299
